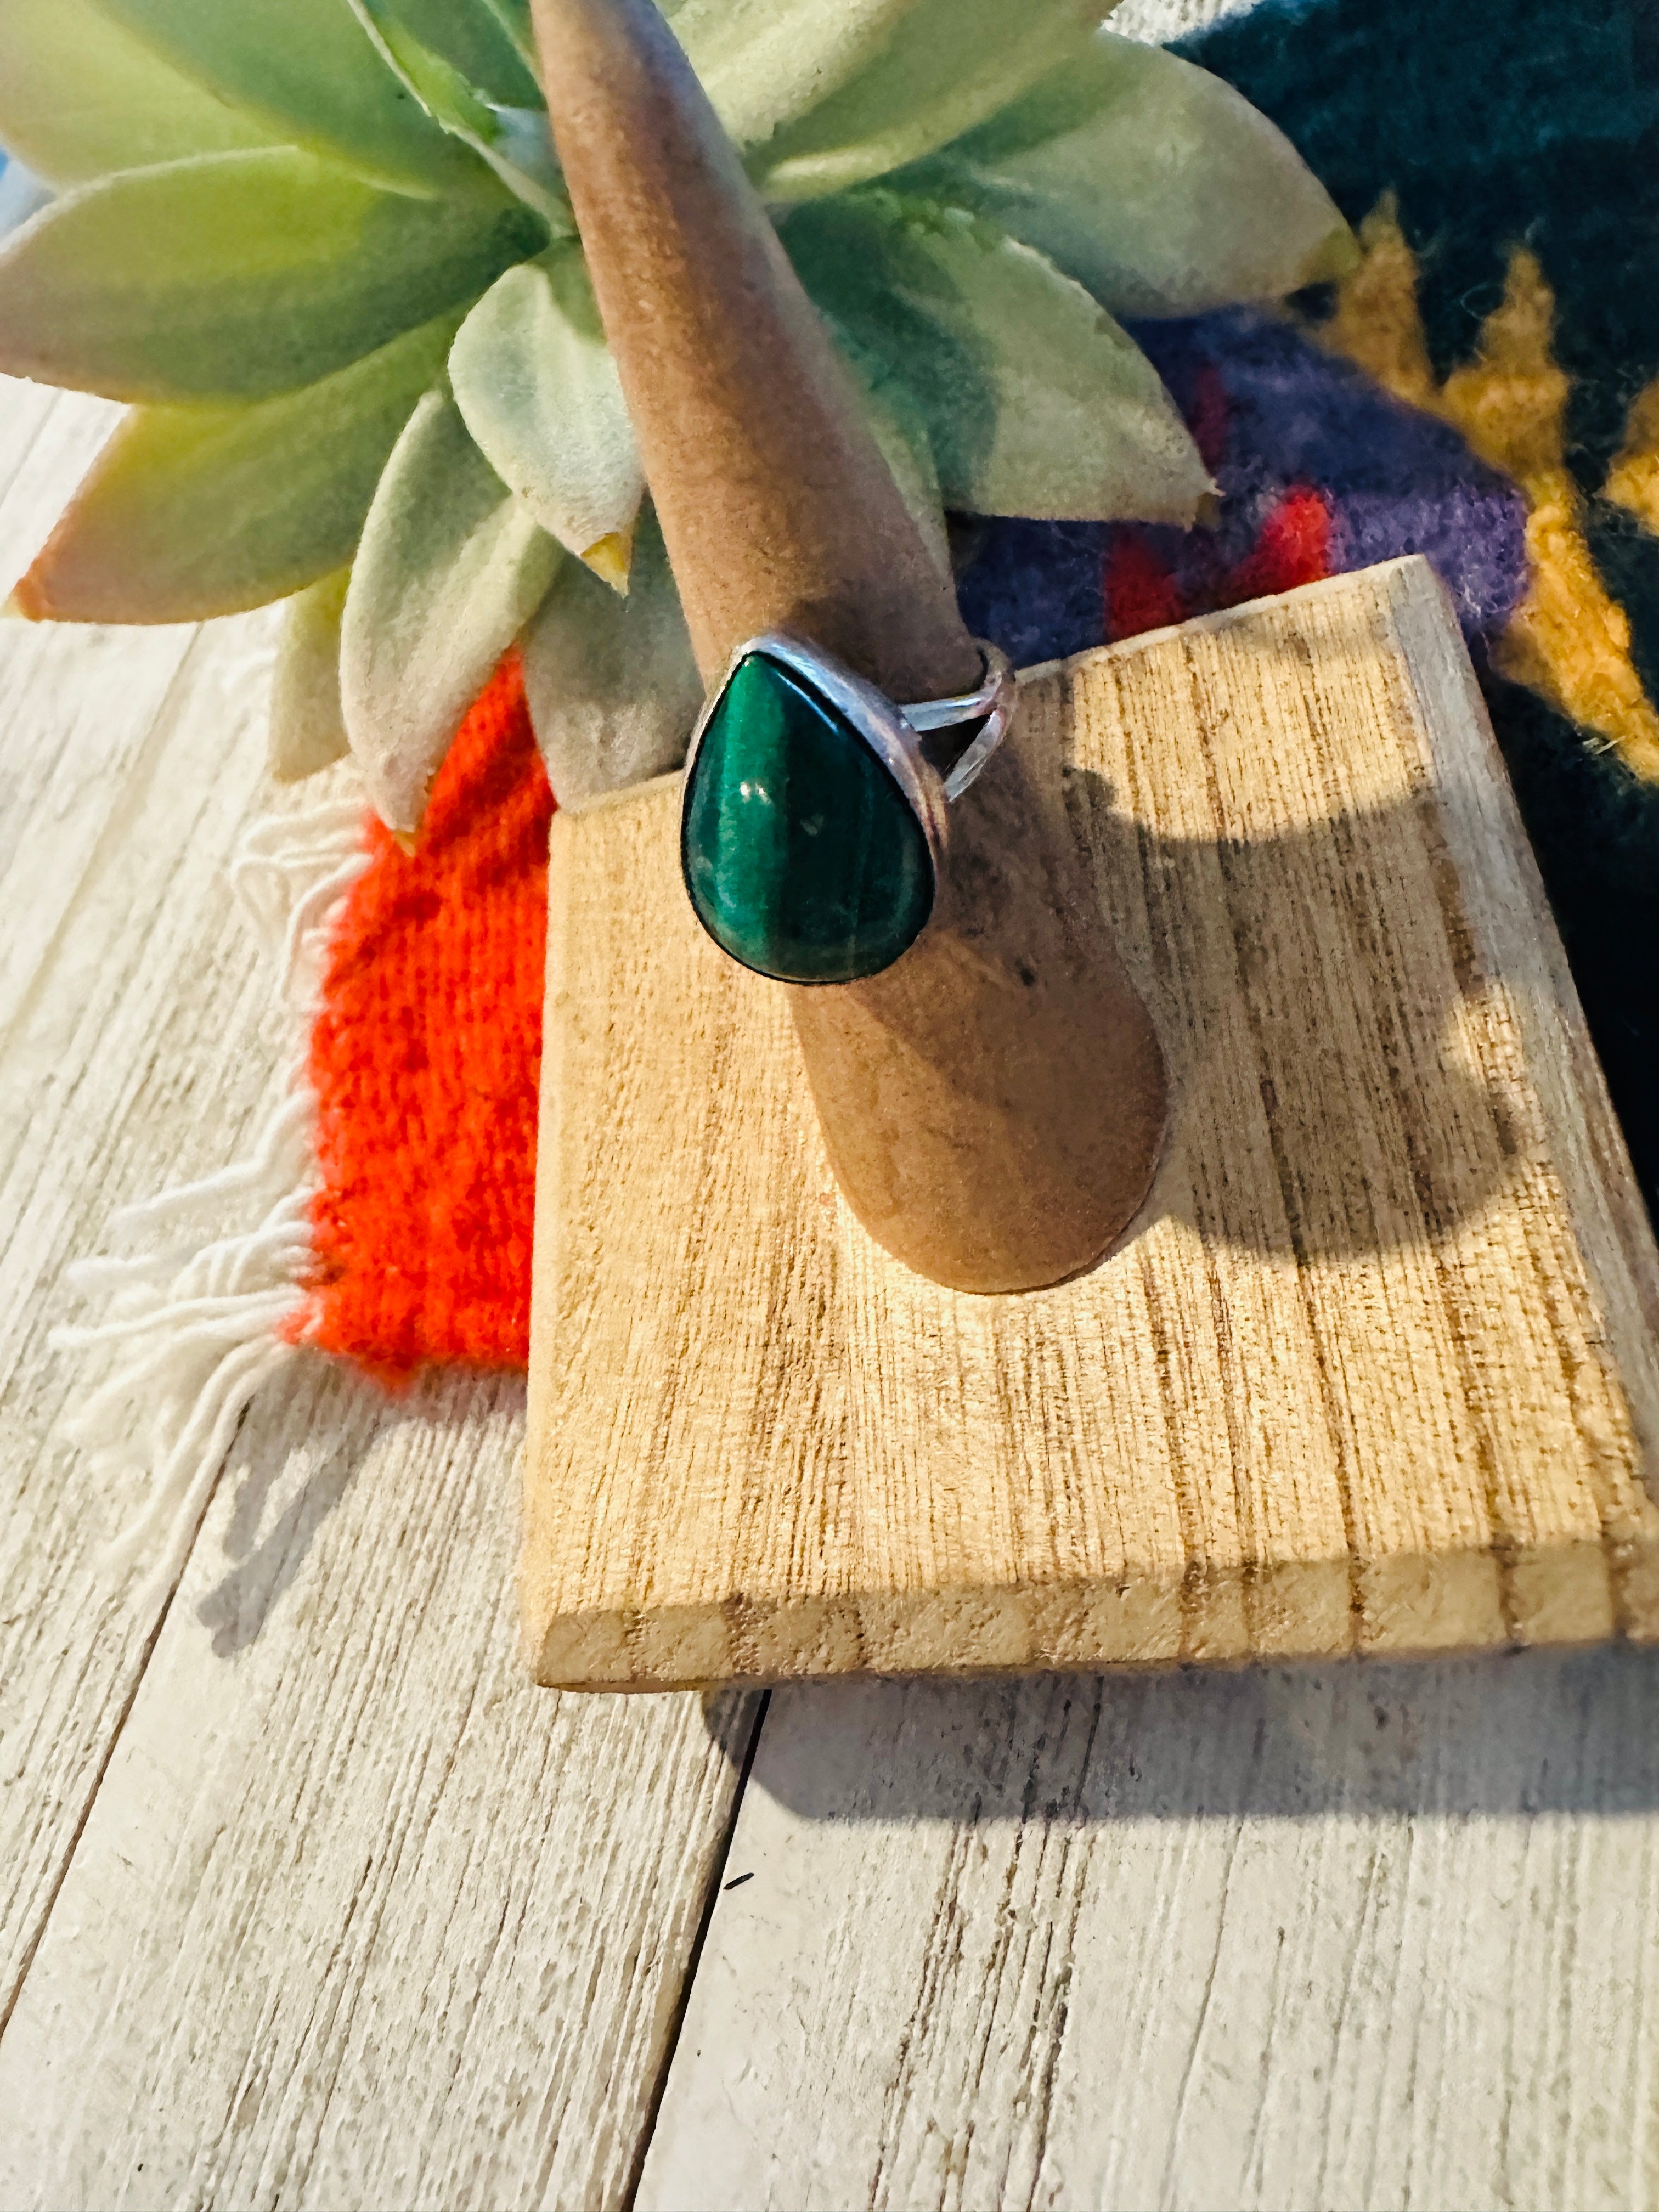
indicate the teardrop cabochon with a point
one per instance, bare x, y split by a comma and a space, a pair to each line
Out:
811, 827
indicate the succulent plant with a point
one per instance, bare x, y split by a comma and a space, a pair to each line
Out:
322, 248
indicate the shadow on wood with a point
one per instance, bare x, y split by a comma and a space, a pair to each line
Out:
1489, 1735
297, 1454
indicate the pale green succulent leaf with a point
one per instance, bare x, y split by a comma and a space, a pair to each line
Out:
448, 97
899, 430
1151, 182
472, 37
233, 276
768, 64
539, 390
611, 685
307, 722
309, 71
522, 154
79, 96
196, 511
451, 566
947, 65
1037, 403
514, 16
516, 144
764, 62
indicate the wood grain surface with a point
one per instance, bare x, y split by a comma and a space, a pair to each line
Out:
357, 1917
1375, 1370
1369, 1935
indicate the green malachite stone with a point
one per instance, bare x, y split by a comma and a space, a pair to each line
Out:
801, 854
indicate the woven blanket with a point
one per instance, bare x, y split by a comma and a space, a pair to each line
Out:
1501, 161
1481, 391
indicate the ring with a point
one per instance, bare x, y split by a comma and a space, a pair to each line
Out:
814, 825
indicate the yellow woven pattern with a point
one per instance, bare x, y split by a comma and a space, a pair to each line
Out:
1568, 640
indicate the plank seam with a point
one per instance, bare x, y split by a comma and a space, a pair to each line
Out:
719, 1861
94, 1785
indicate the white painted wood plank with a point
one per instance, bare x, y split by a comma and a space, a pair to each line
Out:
79, 736
360, 1917
355, 1915
47, 440
114, 767
1351, 1935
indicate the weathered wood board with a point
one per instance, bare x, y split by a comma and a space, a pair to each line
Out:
1377, 1370
305, 1895
1291, 1938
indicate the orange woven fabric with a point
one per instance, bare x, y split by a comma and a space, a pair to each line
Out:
1292, 547
424, 1058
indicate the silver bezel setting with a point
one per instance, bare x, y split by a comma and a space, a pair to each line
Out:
891, 733
882, 726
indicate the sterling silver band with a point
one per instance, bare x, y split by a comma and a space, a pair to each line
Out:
991, 704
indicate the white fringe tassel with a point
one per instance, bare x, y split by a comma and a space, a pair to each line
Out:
195, 1318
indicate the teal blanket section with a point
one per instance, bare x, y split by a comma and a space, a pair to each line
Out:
1494, 123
